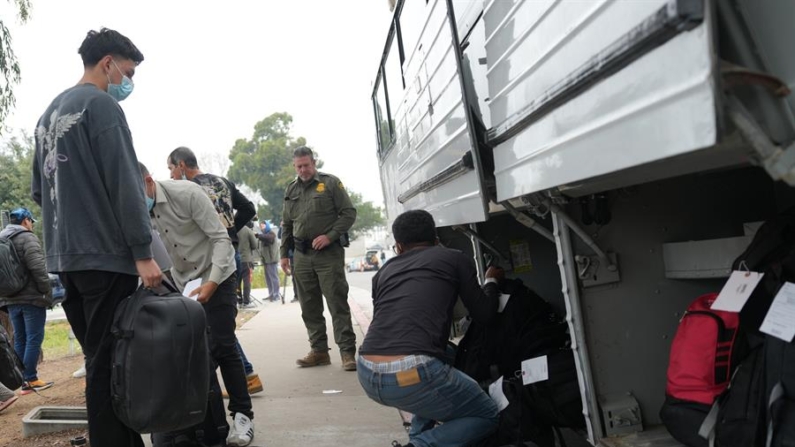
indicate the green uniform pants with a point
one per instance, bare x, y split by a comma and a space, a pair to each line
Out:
318, 274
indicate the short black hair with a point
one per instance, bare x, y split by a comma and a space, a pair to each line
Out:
182, 153
303, 151
414, 227
99, 44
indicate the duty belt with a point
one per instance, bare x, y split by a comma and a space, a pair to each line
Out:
303, 245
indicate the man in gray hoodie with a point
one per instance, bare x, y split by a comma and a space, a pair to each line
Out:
28, 307
96, 226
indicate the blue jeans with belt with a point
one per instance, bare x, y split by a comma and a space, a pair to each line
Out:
434, 392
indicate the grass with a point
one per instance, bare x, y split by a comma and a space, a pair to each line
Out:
258, 279
56, 340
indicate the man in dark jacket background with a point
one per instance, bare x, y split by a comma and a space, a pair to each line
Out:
28, 307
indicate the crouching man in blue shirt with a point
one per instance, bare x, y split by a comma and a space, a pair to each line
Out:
400, 362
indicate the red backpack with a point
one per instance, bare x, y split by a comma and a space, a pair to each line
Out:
700, 364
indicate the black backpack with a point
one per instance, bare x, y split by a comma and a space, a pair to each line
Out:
13, 273
161, 362
780, 377
737, 419
527, 328
10, 365
772, 252
210, 432
519, 421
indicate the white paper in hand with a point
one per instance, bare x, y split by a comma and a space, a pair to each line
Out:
503, 301
190, 287
496, 394
780, 319
737, 290
535, 370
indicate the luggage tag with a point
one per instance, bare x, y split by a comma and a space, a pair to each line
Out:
535, 370
496, 394
737, 290
780, 319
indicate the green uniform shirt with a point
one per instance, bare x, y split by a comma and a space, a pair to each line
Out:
319, 206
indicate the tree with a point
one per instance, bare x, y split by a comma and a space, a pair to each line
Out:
265, 162
9, 67
16, 159
213, 163
368, 216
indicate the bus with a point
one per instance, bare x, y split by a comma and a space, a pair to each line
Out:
615, 155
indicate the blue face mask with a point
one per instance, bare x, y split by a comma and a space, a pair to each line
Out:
150, 203
120, 91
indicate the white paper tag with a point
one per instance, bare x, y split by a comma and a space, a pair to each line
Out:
463, 324
780, 319
737, 290
535, 370
503, 301
495, 391
190, 287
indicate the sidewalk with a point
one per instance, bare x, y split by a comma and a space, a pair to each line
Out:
293, 410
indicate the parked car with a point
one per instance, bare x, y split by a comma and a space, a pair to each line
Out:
353, 265
360, 264
58, 291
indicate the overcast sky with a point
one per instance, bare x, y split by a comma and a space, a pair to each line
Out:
213, 69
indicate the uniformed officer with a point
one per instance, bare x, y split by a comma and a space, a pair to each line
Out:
317, 212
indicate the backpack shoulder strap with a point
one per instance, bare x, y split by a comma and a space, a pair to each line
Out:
13, 235
707, 429
776, 394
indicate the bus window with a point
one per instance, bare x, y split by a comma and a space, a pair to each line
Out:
394, 80
381, 117
412, 19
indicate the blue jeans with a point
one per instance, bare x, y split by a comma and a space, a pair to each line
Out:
248, 367
437, 393
238, 267
28, 321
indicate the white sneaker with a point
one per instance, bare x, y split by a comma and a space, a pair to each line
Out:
232, 433
241, 433
80, 372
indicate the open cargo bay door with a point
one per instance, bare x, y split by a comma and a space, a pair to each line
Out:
582, 90
427, 147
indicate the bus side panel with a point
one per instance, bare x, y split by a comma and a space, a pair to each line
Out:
658, 106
